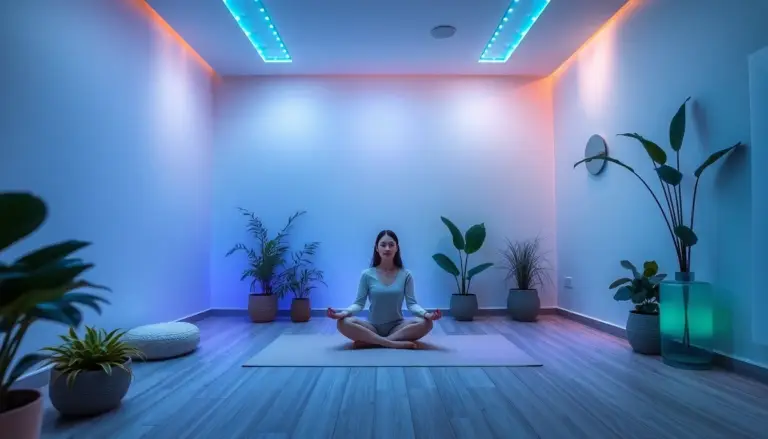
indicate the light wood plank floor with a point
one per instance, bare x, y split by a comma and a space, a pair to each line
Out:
590, 387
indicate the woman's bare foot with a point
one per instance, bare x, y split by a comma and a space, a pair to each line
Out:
402, 345
361, 345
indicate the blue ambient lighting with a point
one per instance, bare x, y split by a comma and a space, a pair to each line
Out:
512, 29
257, 25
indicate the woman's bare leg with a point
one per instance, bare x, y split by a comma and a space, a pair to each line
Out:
411, 330
360, 331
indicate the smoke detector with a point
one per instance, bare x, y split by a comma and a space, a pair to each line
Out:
442, 32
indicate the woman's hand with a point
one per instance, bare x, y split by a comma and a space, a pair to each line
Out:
436, 315
336, 315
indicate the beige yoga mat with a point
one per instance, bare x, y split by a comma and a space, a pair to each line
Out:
304, 350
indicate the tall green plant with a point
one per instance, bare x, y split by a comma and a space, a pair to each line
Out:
670, 177
465, 244
43, 285
266, 262
526, 263
302, 277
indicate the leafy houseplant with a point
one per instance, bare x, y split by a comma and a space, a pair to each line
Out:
670, 178
527, 265
96, 370
266, 266
643, 331
463, 303
300, 279
42, 285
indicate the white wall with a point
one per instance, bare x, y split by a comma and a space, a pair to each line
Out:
107, 117
361, 155
633, 77
758, 82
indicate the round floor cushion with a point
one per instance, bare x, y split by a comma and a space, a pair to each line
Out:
164, 340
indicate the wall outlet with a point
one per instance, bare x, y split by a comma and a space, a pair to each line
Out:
568, 282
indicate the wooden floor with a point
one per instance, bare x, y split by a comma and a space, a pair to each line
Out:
591, 386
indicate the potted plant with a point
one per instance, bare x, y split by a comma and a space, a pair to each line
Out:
91, 375
463, 303
643, 330
266, 266
678, 349
527, 266
300, 279
40, 286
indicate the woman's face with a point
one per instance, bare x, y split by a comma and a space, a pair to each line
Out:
387, 247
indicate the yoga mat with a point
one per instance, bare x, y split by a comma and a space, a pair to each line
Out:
315, 350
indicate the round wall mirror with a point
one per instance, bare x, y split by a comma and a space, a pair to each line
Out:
595, 145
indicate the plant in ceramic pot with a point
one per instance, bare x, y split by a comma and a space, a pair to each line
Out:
527, 265
463, 302
91, 375
683, 345
643, 331
43, 285
300, 279
266, 266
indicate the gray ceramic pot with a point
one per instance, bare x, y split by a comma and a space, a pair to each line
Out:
523, 305
644, 333
93, 392
464, 307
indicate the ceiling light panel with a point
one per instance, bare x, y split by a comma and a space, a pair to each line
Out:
257, 25
517, 21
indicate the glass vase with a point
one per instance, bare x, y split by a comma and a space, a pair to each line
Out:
687, 323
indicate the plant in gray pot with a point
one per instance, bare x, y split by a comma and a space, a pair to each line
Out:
643, 331
91, 375
528, 267
301, 279
463, 303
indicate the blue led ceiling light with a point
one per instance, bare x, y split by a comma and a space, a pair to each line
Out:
257, 25
518, 19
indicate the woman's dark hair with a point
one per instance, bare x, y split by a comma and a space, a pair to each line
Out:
376, 260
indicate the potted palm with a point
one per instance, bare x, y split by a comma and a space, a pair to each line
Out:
463, 302
300, 279
525, 263
643, 330
43, 285
91, 375
266, 266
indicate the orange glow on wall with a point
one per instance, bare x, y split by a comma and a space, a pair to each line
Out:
144, 7
609, 26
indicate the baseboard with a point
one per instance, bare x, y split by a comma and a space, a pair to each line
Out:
320, 312
740, 366
39, 378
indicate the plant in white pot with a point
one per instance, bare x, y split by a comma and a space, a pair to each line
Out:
643, 331
301, 279
43, 285
91, 375
463, 302
528, 267
266, 266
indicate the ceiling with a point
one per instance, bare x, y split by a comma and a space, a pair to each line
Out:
367, 37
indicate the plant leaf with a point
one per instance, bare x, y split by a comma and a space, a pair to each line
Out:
713, 158
458, 239
656, 279
622, 294
51, 253
669, 175
650, 268
21, 213
602, 156
475, 237
653, 150
446, 263
677, 128
23, 365
479, 269
686, 235
618, 282
628, 265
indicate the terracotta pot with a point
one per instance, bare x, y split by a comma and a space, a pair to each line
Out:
300, 310
464, 307
25, 417
262, 308
92, 393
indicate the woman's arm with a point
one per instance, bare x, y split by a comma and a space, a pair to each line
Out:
410, 297
362, 296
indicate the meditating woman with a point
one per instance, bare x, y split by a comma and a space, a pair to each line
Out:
386, 284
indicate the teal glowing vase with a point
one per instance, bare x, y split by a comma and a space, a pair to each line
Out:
687, 322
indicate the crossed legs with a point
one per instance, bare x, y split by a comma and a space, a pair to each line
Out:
401, 337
